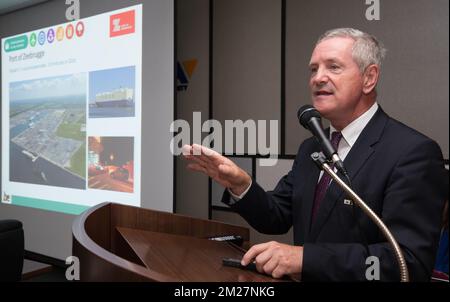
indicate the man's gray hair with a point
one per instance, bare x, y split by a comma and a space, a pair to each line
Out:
367, 49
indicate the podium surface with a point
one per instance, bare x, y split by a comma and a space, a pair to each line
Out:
122, 243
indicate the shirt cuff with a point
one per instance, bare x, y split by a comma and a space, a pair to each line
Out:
236, 197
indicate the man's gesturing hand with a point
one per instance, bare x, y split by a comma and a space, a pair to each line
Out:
218, 167
275, 259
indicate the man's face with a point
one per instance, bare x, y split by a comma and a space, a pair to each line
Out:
336, 82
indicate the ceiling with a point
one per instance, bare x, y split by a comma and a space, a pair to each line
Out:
7, 6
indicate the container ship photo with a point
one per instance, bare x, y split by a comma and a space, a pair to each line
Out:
123, 97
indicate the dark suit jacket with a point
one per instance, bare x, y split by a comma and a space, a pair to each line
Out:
397, 171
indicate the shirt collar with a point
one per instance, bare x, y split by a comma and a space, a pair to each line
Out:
351, 133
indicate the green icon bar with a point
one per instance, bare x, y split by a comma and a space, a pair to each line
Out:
16, 43
48, 205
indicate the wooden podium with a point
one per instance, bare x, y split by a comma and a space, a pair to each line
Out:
122, 243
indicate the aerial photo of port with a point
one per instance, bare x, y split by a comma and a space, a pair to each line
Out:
48, 131
112, 93
111, 164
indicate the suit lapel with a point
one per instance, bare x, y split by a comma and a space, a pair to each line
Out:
310, 175
358, 155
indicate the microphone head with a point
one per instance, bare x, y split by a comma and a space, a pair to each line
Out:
305, 113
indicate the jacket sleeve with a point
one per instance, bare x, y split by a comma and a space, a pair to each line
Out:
267, 212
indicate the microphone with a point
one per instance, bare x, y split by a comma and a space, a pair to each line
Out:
310, 118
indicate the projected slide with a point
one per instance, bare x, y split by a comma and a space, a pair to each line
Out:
71, 113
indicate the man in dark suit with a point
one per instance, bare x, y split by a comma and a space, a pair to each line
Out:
397, 171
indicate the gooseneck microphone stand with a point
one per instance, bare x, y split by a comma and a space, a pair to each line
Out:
322, 163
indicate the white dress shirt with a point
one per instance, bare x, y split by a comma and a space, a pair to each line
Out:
351, 133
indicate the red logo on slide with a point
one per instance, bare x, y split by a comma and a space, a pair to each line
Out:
122, 24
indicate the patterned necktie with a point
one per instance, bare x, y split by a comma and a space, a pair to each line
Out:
322, 186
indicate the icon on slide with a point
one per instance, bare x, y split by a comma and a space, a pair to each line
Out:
69, 31
80, 29
50, 35
41, 38
60, 33
33, 40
